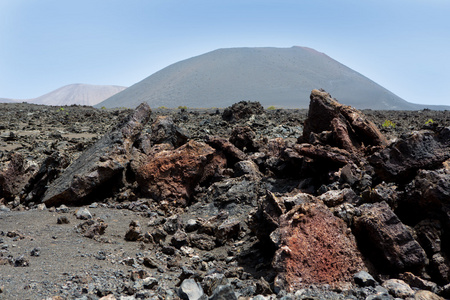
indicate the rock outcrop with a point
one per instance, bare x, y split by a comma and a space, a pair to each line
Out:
340, 125
103, 163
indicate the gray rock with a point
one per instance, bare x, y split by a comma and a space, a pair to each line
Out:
62, 209
191, 290
62, 220
83, 214
212, 281
223, 292
102, 163
398, 288
363, 278
191, 225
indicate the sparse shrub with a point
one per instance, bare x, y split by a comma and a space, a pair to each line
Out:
429, 122
103, 107
61, 109
271, 107
182, 107
162, 107
388, 124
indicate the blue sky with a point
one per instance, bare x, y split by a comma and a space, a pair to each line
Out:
404, 45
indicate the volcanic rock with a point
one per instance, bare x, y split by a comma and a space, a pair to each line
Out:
102, 164
418, 150
315, 247
242, 110
379, 230
165, 131
50, 169
349, 128
14, 178
174, 174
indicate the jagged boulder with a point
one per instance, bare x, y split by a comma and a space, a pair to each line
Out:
315, 247
165, 131
242, 110
386, 240
418, 150
50, 169
100, 166
15, 176
343, 126
173, 174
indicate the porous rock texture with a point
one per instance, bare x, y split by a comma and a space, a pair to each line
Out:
244, 204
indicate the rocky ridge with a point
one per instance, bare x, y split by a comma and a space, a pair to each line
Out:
244, 203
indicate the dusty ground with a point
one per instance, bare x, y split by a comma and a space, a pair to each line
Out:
40, 258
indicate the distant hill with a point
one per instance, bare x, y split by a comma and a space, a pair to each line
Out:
282, 77
81, 94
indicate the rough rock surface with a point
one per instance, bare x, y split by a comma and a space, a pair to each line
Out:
229, 218
384, 232
102, 163
315, 247
174, 174
350, 130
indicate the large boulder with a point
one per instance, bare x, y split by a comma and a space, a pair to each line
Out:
315, 247
173, 174
165, 131
418, 150
242, 111
340, 125
386, 240
15, 176
100, 166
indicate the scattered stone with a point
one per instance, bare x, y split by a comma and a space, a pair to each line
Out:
426, 295
398, 288
14, 178
134, 232
92, 228
36, 251
164, 131
173, 175
83, 214
242, 110
417, 150
223, 292
62, 209
21, 261
62, 220
191, 290
362, 278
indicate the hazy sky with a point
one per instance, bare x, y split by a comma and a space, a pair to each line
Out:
403, 45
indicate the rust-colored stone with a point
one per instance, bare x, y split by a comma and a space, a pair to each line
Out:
173, 174
315, 248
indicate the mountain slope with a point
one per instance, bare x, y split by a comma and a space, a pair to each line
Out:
81, 94
283, 77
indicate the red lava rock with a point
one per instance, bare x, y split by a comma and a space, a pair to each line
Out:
173, 175
349, 127
315, 248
